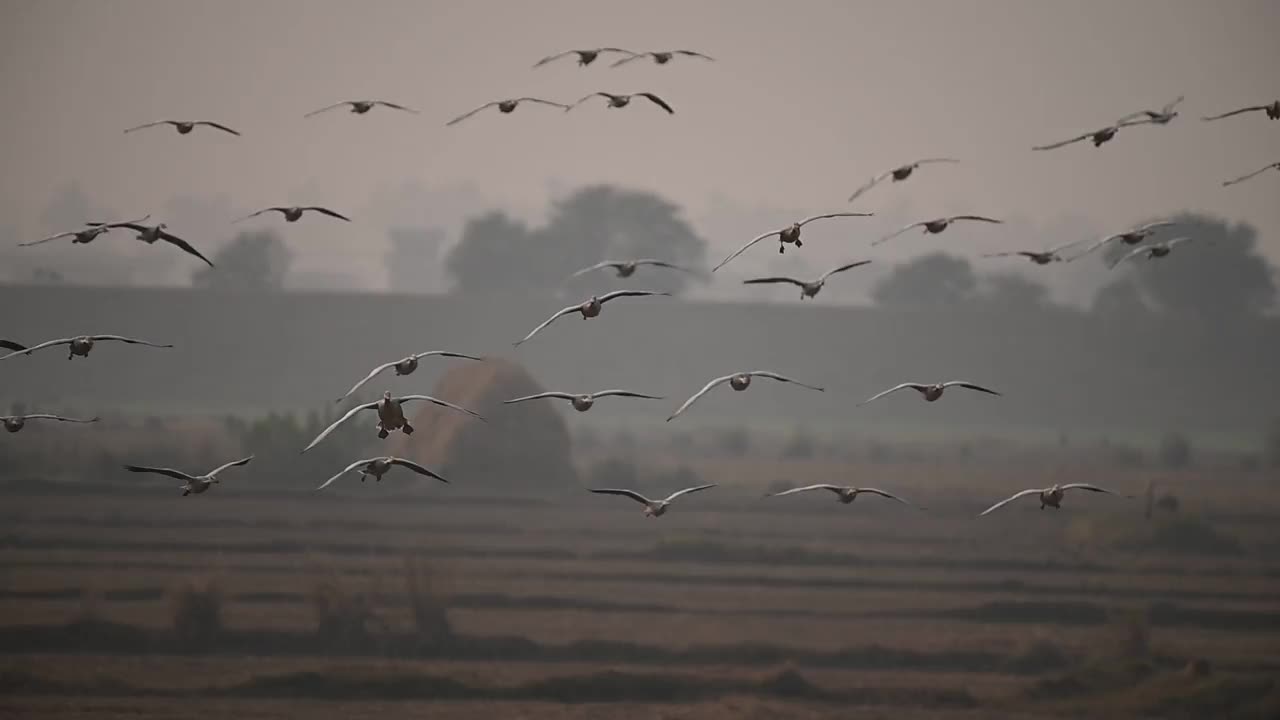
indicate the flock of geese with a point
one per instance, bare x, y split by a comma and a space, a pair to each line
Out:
389, 408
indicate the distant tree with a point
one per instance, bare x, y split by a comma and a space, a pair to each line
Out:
1119, 299
1219, 274
936, 280
256, 261
593, 224
1008, 290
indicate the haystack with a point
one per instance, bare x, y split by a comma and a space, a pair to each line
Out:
523, 447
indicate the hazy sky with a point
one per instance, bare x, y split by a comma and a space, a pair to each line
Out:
806, 101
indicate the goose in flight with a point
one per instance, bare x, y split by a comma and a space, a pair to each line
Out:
12, 346
390, 415
1049, 497
627, 268
590, 308
807, 289
661, 57
1039, 257
1242, 178
184, 127
82, 344
583, 402
506, 106
88, 235
404, 366
191, 483
652, 508
1097, 137
585, 57
1156, 117
933, 227
739, 381
379, 466
1272, 110
150, 234
621, 101
930, 391
898, 174
789, 235
14, 423
844, 494
360, 107
294, 213
1152, 251
1132, 236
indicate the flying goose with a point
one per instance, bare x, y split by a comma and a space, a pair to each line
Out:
627, 268
390, 415
149, 234
1132, 236
844, 494
930, 391
506, 106
88, 235
1272, 110
1049, 497
787, 235
82, 344
900, 173
661, 57
377, 467
405, 366
738, 381
590, 308
652, 508
1152, 251
1242, 178
191, 483
621, 101
933, 227
807, 289
360, 107
1156, 117
583, 402
185, 126
1039, 257
585, 57
14, 423
294, 213
1098, 137
11, 345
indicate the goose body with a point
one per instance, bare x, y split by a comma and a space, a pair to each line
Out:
844, 494
1039, 257
506, 106
82, 345
192, 484
184, 127
88, 235
1098, 137
379, 466
627, 268
809, 288
937, 225
360, 107
1163, 116
789, 235
623, 100
662, 57
1049, 497
1242, 178
14, 423
739, 381
898, 174
294, 213
1152, 251
931, 392
585, 57
590, 308
390, 415
151, 234
583, 402
652, 508
1271, 109
404, 366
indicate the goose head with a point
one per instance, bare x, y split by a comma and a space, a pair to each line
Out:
406, 366
1104, 135
626, 269
14, 424
655, 509
662, 58
591, 307
360, 107
507, 106
740, 382
582, 403
586, 57
184, 127
903, 172
1273, 110
936, 226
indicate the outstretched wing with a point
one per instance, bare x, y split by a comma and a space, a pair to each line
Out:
625, 493
557, 56
345, 470
744, 248
219, 126
811, 218
1054, 146
1128, 256
782, 378
895, 388
691, 53
634, 56
626, 393
128, 340
833, 488
183, 245
597, 266
448, 354
234, 463
967, 384
59, 418
394, 106
327, 211
657, 101
468, 114
168, 472
329, 430
327, 108
694, 398
441, 403
151, 124
558, 314
539, 396
1255, 173
11, 345
372, 374
629, 293
417, 468
977, 218
1251, 108
260, 212
41, 346
772, 280
540, 101
1011, 498
662, 263
928, 161
1089, 487
45, 240
842, 268
585, 98
686, 491
896, 233
870, 184
882, 493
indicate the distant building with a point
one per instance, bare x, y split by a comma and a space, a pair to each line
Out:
413, 262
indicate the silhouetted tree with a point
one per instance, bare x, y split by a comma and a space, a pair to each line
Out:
593, 224
1219, 274
257, 260
936, 280
1119, 299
